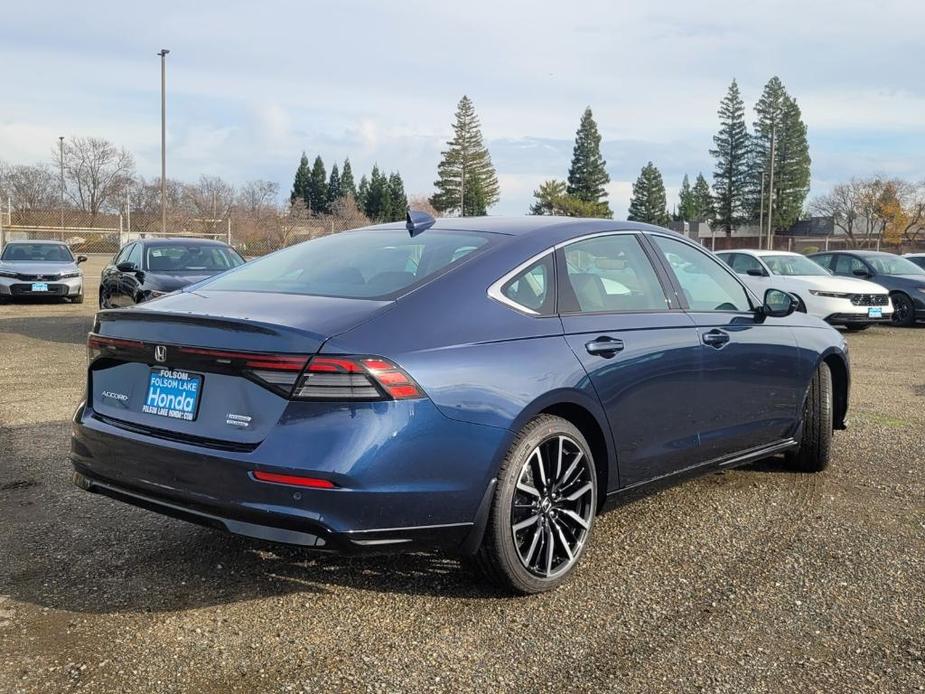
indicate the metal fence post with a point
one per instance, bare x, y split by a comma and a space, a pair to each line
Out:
228, 233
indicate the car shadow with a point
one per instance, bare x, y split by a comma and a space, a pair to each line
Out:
51, 328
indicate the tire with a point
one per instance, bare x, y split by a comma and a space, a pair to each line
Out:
903, 309
542, 514
79, 299
856, 327
816, 442
104, 303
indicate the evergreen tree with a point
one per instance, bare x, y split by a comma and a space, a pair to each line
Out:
334, 189
648, 203
552, 199
702, 200
778, 113
318, 188
377, 199
686, 203
731, 175
587, 174
398, 198
362, 193
300, 182
347, 186
466, 179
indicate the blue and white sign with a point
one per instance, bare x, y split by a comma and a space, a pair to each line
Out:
173, 394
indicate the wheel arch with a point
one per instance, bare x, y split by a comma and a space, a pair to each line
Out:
841, 386
588, 415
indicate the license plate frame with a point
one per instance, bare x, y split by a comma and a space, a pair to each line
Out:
875, 312
39, 287
174, 389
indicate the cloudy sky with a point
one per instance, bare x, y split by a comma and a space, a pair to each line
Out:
252, 84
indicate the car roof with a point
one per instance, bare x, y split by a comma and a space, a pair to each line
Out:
182, 241
758, 252
41, 242
855, 251
528, 224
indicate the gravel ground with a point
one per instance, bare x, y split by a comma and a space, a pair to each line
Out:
755, 579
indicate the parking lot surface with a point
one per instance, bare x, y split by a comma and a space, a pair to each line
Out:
756, 579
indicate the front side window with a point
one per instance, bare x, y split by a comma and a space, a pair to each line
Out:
608, 274
376, 264
850, 265
743, 263
532, 288
38, 253
192, 258
706, 283
134, 255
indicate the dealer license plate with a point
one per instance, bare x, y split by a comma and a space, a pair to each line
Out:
173, 393
875, 312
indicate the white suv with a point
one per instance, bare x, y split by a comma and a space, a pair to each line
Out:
853, 303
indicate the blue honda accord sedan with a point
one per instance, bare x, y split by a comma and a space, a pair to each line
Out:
485, 386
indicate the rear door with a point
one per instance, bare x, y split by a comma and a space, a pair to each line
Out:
639, 350
749, 391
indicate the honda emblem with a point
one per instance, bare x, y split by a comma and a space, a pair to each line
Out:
160, 353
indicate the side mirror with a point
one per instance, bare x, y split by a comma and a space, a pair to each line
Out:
754, 272
860, 273
778, 304
81, 259
126, 267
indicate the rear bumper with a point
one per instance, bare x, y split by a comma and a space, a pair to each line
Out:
408, 479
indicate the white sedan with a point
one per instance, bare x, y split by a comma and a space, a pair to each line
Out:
853, 303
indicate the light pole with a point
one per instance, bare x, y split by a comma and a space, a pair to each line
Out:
163, 54
61, 160
761, 214
771, 189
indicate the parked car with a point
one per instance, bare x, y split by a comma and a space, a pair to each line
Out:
917, 258
481, 385
40, 269
149, 268
901, 277
848, 301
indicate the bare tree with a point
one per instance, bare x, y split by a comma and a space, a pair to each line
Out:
256, 198
30, 187
97, 173
344, 215
422, 204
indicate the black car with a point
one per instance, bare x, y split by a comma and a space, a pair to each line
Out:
902, 278
149, 268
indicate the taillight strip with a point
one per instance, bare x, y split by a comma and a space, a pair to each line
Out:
292, 480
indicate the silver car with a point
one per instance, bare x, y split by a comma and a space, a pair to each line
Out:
40, 268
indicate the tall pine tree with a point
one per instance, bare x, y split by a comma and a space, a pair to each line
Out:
648, 203
347, 186
686, 207
702, 200
731, 175
777, 113
466, 179
300, 182
398, 198
363, 193
377, 199
587, 174
334, 189
318, 188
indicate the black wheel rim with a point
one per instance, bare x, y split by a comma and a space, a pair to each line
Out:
901, 310
553, 506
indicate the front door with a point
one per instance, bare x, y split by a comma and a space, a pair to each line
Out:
750, 392
640, 352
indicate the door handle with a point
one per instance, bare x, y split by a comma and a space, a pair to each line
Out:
715, 338
604, 346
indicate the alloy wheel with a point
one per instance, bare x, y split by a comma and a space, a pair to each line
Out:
553, 506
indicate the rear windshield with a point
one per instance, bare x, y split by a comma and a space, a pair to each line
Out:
357, 265
38, 252
191, 258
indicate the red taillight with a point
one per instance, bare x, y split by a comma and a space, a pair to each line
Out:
355, 378
293, 480
98, 346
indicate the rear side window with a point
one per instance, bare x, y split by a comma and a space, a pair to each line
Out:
823, 260
374, 264
610, 274
191, 258
532, 288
